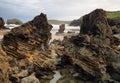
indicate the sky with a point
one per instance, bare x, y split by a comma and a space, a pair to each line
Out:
26, 10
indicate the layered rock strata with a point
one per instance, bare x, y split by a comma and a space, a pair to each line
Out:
94, 50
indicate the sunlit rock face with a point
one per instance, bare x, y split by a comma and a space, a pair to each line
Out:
94, 50
27, 46
30, 41
4, 67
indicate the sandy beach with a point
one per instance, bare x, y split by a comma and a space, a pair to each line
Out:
57, 37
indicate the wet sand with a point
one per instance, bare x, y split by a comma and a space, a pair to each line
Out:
3, 32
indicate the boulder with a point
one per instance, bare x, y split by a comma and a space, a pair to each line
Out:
61, 29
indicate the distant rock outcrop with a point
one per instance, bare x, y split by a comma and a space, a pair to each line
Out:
75, 23
61, 29
94, 50
14, 21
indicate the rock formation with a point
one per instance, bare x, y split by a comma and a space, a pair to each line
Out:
61, 29
94, 50
94, 53
27, 45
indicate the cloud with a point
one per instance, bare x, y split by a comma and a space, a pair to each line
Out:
55, 9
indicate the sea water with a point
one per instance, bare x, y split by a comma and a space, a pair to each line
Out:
67, 28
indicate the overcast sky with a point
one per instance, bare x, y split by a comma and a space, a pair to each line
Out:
55, 9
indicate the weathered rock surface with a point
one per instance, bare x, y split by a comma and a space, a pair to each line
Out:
94, 53
4, 67
94, 50
27, 46
96, 23
30, 41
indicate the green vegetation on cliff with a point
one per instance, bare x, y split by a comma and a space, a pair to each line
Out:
58, 22
14, 21
113, 14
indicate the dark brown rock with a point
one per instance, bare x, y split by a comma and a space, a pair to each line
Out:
95, 23
94, 49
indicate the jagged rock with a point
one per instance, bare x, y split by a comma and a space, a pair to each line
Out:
96, 23
27, 45
94, 50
